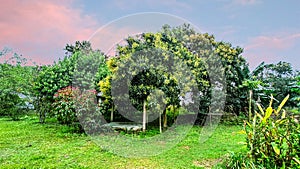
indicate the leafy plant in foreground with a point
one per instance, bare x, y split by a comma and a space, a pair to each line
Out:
273, 138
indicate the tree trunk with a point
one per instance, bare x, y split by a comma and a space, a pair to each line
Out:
160, 130
112, 114
250, 103
174, 111
144, 116
165, 119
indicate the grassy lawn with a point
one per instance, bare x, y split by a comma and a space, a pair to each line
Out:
28, 144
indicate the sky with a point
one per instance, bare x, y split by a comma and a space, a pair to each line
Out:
267, 30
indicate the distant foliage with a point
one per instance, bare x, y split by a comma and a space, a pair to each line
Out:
16, 80
278, 80
296, 90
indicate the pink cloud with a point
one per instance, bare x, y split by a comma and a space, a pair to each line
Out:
174, 4
271, 48
41, 29
272, 42
107, 37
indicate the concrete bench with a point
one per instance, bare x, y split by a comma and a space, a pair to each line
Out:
125, 126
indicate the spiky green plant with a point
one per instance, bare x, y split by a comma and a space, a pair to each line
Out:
273, 137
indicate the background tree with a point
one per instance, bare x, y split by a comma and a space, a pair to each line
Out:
79, 69
296, 89
182, 41
277, 80
234, 64
199, 52
16, 80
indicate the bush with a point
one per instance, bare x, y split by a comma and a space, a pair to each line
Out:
43, 107
77, 109
272, 138
233, 119
88, 112
64, 105
11, 105
237, 161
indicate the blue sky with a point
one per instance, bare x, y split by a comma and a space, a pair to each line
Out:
267, 30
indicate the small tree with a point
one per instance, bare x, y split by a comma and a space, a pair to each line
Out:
16, 79
277, 80
78, 68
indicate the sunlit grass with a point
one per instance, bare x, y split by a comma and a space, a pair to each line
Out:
28, 144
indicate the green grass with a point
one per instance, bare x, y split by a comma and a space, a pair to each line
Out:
28, 144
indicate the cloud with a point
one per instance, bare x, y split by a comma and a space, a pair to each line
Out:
173, 4
233, 4
106, 37
273, 42
40, 29
273, 49
246, 2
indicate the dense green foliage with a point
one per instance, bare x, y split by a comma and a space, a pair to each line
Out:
278, 80
203, 56
272, 138
156, 63
49, 81
16, 89
64, 105
76, 108
296, 89
203, 64
79, 68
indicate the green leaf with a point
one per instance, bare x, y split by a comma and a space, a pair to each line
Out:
297, 160
271, 101
261, 118
283, 114
275, 148
260, 109
282, 103
269, 112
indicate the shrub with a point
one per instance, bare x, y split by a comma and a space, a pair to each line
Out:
43, 107
11, 105
64, 105
88, 112
77, 109
237, 161
272, 138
